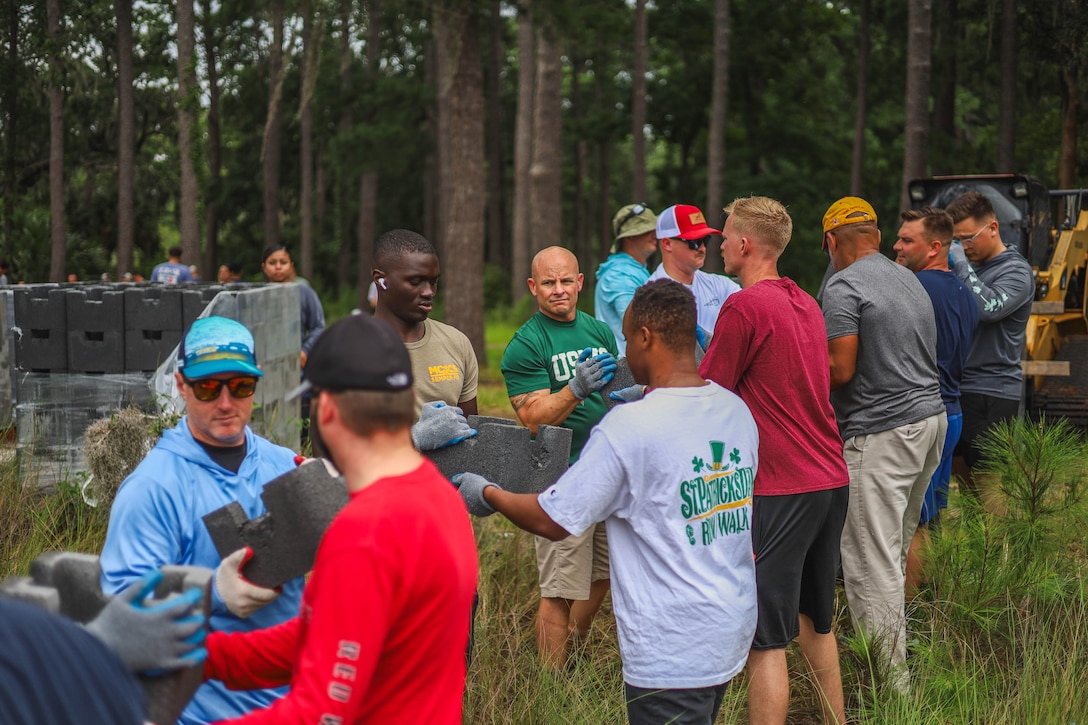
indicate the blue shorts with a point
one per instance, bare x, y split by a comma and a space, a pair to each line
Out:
937, 493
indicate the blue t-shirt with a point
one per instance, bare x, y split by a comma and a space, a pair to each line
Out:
171, 273
956, 314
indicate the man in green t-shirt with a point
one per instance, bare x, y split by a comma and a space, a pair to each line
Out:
554, 367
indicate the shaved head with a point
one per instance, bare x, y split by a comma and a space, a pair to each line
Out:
551, 257
556, 283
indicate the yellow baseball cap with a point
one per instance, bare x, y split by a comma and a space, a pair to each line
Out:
840, 213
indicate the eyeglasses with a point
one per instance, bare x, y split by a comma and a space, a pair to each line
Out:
636, 210
210, 388
693, 244
973, 237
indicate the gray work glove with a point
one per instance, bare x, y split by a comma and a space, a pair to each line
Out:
471, 486
440, 425
592, 373
241, 596
628, 394
165, 636
702, 338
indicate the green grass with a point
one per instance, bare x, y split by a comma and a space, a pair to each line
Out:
999, 634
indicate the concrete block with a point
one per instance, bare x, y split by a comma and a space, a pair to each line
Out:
96, 324
193, 303
300, 505
153, 308
622, 379
67, 583
40, 329
505, 453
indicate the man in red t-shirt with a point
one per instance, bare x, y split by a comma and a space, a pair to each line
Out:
770, 348
383, 627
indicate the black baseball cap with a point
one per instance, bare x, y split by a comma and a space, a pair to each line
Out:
358, 352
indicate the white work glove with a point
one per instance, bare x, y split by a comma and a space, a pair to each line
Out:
241, 596
440, 425
167, 635
471, 487
592, 373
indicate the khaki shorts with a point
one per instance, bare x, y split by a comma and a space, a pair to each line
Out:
568, 567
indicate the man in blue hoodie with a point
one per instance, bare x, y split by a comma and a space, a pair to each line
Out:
635, 230
208, 460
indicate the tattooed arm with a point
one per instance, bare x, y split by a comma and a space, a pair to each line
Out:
540, 407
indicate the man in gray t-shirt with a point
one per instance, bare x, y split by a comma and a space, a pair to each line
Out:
885, 389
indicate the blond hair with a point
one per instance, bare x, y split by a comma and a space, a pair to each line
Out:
764, 219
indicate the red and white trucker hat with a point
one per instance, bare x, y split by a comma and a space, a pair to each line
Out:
683, 221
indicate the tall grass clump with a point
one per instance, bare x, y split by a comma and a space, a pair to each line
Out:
32, 521
999, 634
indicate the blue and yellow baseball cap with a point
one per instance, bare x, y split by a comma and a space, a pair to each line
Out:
215, 345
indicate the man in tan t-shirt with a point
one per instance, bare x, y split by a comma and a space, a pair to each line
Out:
406, 278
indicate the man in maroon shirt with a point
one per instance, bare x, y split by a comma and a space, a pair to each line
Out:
770, 348
384, 622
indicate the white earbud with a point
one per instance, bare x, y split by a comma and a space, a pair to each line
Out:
381, 282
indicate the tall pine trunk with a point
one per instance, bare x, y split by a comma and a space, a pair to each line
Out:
521, 252
211, 197
461, 103
719, 96
368, 185
1067, 153
545, 173
273, 128
306, 149
343, 186
496, 217
188, 93
126, 139
638, 106
861, 103
916, 106
58, 227
1006, 133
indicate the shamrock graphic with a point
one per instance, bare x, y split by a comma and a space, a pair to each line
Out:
691, 534
734, 457
697, 464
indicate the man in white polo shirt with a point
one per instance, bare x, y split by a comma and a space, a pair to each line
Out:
684, 235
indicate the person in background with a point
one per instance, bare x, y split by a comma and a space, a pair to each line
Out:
444, 364
223, 277
684, 236
278, 268
172, 271
1004, 288
554, 368
922, 247
4, 272
634, 229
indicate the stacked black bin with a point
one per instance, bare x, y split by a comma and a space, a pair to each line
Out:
40, 329
153, 326
96, 330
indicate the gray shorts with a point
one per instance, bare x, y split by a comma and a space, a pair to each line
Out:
696, 706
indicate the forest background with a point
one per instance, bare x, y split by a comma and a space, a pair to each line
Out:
499, 128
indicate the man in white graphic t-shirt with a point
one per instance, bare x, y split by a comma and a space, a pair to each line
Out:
671, 476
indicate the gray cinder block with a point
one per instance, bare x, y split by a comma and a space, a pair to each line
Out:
67, 583
622, 379
505, 453
300, 505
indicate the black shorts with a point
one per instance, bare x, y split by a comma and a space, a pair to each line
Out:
796, 541
696, 706
980, 412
